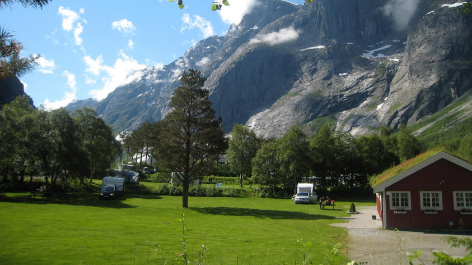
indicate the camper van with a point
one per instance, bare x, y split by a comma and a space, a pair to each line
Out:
305, 193
119, 183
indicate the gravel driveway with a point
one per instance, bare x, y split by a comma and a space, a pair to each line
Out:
369, 243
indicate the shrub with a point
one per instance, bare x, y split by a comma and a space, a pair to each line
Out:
158, 177
138, 189
352, 209
278, 193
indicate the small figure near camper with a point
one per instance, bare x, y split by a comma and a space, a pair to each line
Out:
326, 202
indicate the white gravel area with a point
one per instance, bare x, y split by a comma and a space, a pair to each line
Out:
368, 242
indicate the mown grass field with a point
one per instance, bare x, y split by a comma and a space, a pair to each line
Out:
145, 229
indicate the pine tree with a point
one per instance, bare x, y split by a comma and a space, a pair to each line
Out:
190, 138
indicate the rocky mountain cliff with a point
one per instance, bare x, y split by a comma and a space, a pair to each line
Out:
10, 88
359, 64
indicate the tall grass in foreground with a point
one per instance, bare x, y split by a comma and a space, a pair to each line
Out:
145, 229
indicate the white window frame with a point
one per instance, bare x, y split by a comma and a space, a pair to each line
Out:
467, 200
428, 195
391, 195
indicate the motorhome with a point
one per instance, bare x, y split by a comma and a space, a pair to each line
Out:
119, 183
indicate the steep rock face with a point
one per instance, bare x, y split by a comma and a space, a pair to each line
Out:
272, 87
400, 79
10, 88
434, 70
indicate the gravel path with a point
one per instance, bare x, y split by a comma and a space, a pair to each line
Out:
369, 243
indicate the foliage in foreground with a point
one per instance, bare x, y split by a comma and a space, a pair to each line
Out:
442, 258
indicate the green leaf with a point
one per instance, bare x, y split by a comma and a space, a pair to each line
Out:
214, 7
225, 2
171, 0
416, 254
181, 6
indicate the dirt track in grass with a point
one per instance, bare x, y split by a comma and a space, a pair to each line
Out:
368, 242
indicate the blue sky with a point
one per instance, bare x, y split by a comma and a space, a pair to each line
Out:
89, 47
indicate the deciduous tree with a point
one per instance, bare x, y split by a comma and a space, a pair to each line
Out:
266, 166
294, 155
242, 149
97, 139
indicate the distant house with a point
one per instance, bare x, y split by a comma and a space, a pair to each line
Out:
430, 191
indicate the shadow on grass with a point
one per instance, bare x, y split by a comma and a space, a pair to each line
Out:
259, 213
79, 199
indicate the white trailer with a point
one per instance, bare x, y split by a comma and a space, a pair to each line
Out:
119, 183
308, 187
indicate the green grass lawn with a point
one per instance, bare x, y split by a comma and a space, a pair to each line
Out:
139, 229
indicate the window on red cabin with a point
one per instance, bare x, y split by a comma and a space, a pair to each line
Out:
400, 200
431, 200
462, 200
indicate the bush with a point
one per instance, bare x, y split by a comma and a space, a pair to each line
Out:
231, 192
352, 209
138, 189
200, 191
158, 177
277, 193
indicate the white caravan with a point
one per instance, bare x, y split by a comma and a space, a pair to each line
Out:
119, 183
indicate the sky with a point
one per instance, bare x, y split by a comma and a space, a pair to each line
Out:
88, 48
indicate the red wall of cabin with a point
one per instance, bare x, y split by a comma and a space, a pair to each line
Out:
443, 176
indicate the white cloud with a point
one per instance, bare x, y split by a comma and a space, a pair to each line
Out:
94, 66
69, 22
130, 44
238, 8
123, 25
77, 31
125, 71
47, 66
401, 11
274, 38
198, 22
68, 18
68, 97
203, 61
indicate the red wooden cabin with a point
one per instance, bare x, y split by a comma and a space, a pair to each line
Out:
428, 192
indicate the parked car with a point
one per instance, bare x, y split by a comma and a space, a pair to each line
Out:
146, 170
107, 192
302, 197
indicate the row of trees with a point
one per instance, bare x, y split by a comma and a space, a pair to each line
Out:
59, 145
336, 160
